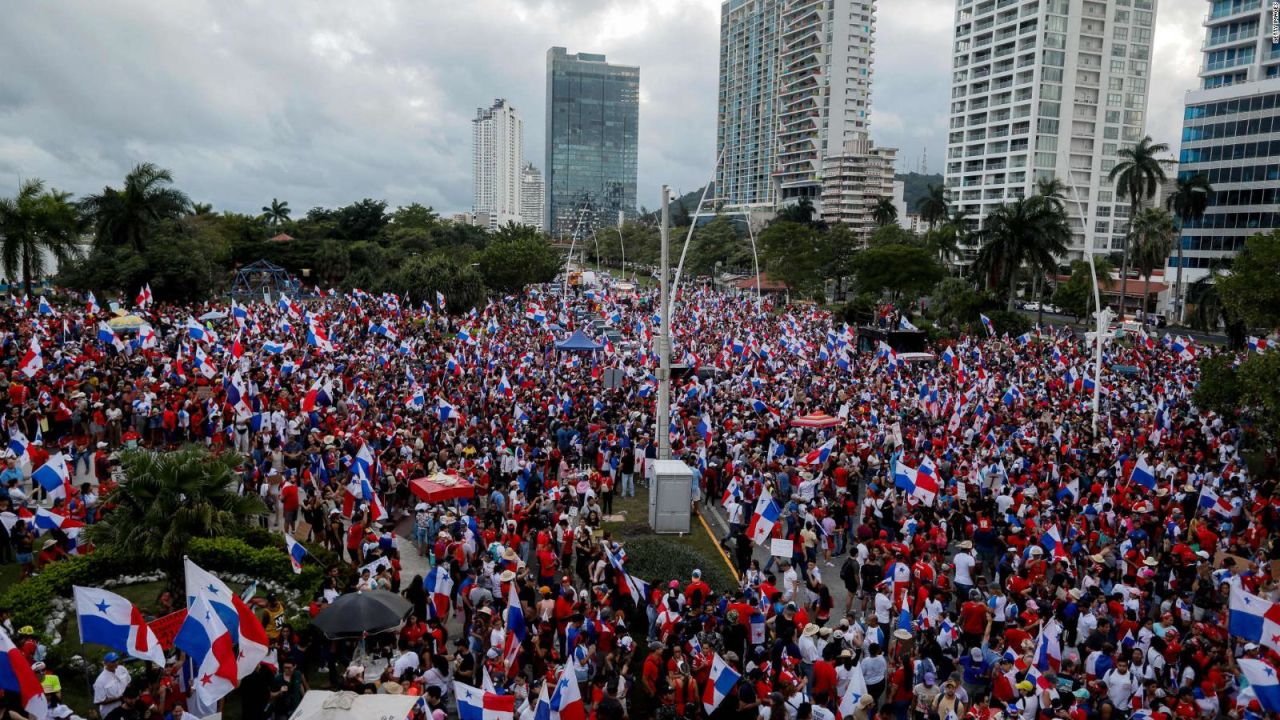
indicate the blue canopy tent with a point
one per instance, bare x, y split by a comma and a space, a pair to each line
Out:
578, 342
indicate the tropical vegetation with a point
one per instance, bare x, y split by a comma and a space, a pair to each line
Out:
1137, 177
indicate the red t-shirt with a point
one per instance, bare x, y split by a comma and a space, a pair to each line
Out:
973, 617
289, 497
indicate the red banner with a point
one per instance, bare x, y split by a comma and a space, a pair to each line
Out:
166, 628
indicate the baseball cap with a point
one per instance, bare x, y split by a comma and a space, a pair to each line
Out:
111, 657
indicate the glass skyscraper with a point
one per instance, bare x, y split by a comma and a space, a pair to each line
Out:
593, 120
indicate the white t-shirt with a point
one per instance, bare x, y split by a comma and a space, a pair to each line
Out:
407, 661
1120, 688
964, 563
110, 685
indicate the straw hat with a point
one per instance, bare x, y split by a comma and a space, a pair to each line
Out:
966, 545
810, 630
507, 576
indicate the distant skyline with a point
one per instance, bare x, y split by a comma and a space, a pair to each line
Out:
325, 103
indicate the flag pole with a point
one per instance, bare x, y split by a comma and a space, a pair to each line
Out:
663, 420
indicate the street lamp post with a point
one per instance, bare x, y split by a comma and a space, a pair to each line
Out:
663, 421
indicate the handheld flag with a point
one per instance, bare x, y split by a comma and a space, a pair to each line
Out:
106, 618
17, 677
296, 553
722, 680
476, 704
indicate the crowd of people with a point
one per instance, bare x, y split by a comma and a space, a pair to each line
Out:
964, 538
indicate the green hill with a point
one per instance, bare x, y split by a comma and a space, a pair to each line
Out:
916, 187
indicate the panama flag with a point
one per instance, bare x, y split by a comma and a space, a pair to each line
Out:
91, 304
504, 386
921, 486
18, 443
206, 639
44, 308
636, 588
566, 699
819, 456
233, 613
722, 680
986, 323
1052, 542
476, 704
1253, 618
196, 331
201, 362
704, 429
515, 630
296, 553
856, 689
763, 519
107, 619
1258, 345
31, 362
440, 300
107, 336
1142, 474
1182, 346
317, 337
439, 586
144, 296
17, 677
1262, 681
54, 478
1211, 501
445, 411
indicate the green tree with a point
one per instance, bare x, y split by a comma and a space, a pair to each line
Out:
1219, 389
277, 213
884, 212
1188, 202
715, 242
422, 276
933, 206
414, 215
800, 212
1251, 293
1029, 231
954, 303
201, 209
167, 499
361, 220
35, 222
1137, 176
1153, 234
794, 253
1260, 393
901, 270
508, 265
127, 216
332, 261
893, 235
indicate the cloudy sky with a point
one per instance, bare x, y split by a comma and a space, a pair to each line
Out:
325, 101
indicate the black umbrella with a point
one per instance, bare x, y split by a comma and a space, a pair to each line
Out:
363, 613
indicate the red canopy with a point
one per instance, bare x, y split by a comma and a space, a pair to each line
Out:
815, 420
441, 487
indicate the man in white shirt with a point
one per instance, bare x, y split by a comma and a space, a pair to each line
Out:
964, 563
1121, 684
109, 687
790, 583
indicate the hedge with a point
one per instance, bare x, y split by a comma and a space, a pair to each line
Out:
30, 600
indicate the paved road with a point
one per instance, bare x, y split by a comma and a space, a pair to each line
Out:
1087, 326
714, 513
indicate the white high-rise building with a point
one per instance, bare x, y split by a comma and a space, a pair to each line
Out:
853, 183
1229, 135
1048, 89
497, 160
795, 86
532, 195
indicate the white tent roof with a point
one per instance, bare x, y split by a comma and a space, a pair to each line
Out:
327, 705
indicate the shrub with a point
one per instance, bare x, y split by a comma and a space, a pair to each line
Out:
1013, 323
661, 559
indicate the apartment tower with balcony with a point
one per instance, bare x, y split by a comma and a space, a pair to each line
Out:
1231, 135
795, 87
1045, 89
497, 156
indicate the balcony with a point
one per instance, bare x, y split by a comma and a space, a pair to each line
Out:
1238, 36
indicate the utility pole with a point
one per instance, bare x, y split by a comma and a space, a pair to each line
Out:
663, 422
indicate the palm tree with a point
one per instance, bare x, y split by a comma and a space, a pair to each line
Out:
169, 498
201, 209
933, 206
1028, 231
885, 212
277, 212
34, 224
1054, 191
1137, 176
1153, 233
1188, 201
126, 217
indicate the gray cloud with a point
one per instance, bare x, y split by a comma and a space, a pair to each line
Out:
325, 102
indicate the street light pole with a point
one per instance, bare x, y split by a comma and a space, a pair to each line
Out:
663, 421
622, 244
